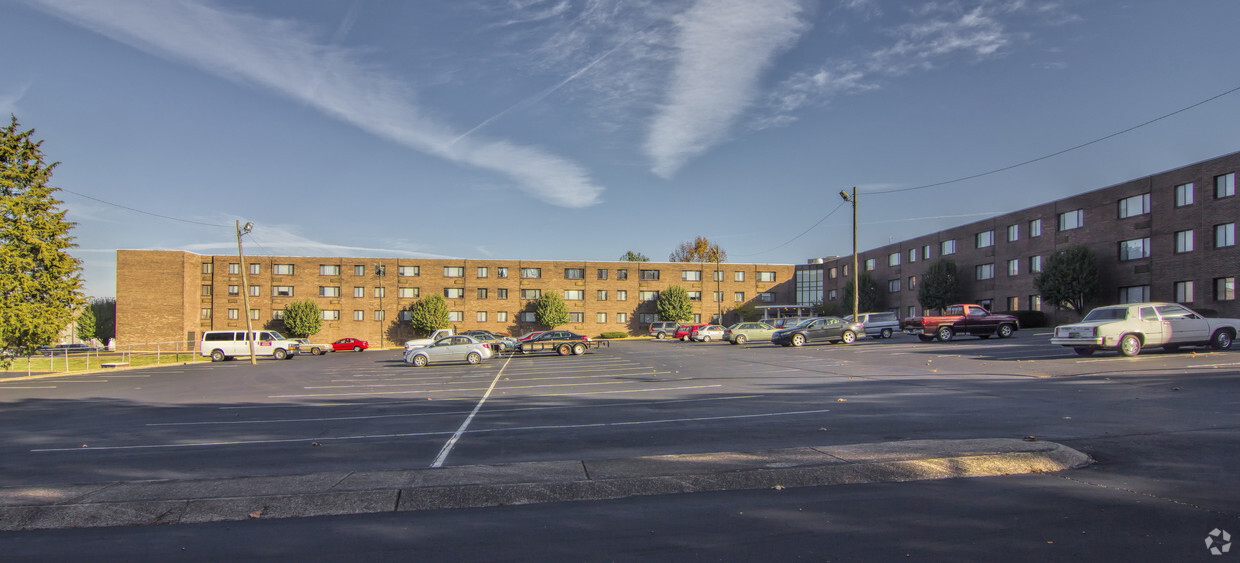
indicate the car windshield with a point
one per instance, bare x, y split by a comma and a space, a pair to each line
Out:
805, 323
1107, 314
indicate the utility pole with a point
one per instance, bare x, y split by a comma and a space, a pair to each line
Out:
245, 288
718, 290
380, 271
856, 275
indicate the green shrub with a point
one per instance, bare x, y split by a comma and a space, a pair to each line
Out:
610, 335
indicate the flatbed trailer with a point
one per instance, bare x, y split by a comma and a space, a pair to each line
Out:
562, 347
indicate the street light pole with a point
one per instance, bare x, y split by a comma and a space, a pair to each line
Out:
380, 271
245, 287
856, 275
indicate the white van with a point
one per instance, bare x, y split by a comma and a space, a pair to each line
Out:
224, 344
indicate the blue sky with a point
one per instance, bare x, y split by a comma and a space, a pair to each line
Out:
579, 129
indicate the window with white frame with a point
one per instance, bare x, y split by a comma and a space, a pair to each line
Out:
282, 269
481, 316
893, 259
1184, 241
718, 296
1225, 289
718, 275
576, 317
893, 286
1224, 235
482, 293
359, 292
453, 292
501, 293
912, 255
832, 272
870, 264
453, 271
832, 295
912, 311
645, 318
738, 275
359, 270
380, 292
407, 292
255, 291
234, 290
207, 268
1014, 269
331, 315
622, 273
379, 316
601, 295
282, 290
691, 275
329, 269
602, 273
1035, 263
1013, 233
234, 268
529, 273
985, 239
483, 271
456, 316
501, 316
233, 314
405, 315
694, 295
766, 276
948, 247
1184, 194
277, 314
1035, 302
697, 318
648, 274
255, 269
600, 317
1134, 294
501, 272
1184, 291
574, 294
359, 315
622, 295
1069, 220
985, 271
408, 271
738, 296
527, 316
205, 314
531, 293
1134, 249
647, 295
622, 317
1135, 205
329, 291
925, 252
1035, 228
1225, 185
574, 273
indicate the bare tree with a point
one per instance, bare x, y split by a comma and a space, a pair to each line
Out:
698, 250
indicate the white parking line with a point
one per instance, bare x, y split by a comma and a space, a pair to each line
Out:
367, 385
1215, 365
443, 390
27, 387
447, 448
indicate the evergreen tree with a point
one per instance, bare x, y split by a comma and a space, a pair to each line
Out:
631, 256
551, 310
674, 304
40, 282
938, 288
870, 299
104, 309
303, 318
86, 326
429, 314
1070, 278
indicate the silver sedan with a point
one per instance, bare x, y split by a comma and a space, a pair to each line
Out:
450, 349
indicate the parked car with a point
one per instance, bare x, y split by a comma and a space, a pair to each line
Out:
434, 337
308, 347
63, 349
221, 345
350, 344
497, 342
449, 349
785, 322
530, 335
820, 329
878, 325
663, 329
684, 331
741, 333
961, 319
707, 333
1130, 328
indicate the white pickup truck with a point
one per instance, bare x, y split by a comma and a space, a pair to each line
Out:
422, 342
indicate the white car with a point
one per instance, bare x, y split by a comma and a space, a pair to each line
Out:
707, 333
1131, 327
450, 349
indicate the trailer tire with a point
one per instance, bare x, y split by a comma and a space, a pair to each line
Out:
579, 349
563, 349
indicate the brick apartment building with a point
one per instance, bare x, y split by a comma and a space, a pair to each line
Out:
1170, 236
173, 296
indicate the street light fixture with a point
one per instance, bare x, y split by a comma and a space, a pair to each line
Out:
245, 295
856, 276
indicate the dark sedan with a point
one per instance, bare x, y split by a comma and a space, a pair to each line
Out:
62, 349
821, 329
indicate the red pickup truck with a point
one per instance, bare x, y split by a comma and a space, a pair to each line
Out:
961, 319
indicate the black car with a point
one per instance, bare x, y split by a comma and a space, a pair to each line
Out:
820, 329
62, 349
557, 335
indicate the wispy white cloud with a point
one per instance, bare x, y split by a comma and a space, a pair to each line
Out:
723, 46
8, 102
286, 57
284, 240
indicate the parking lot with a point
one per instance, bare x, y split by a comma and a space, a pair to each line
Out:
350, 411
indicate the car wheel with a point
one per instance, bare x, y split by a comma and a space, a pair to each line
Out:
1083, 351
579, 349
886, 333
798, 339
706, 339
685, 338
564, 350
280, 354
357, 348
925, 337
1130, 345
419, 360
218, 356
660, 336
740, 339
1221, 340
1006, 331
473, 357
945, 333
848, 337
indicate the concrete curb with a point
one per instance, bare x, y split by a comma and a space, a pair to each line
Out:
329, 494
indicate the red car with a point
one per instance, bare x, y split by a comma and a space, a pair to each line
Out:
684, 331
350, 344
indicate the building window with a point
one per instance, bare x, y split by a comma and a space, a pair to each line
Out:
738, 275
647, 295
893, 259
483, 272
912, 283
456, 316
255, 269
912, 255
574, 294
622, 274
870, 265
531, 293
482, 293
718, 296
254, 290
622, 317
1184, 292
1014, 269
1035, 302
207, 268
1035, 263
1134, 294
694, 295
529, 273
985, 239
405, 315
501, 272
718, 275
482, 316
407, 292
205, 314
893, 286
234, 290
1013, 303
601, 295
1134, 249
602, 273
1184, 195
767, 297
574, 273
329, 269
232, 314
985, 271
1184, 241
691, 275
501, 316
408, 271
832, 272
360, 315
501, 293
831, 295
1071, 220
1224, 235
648, 274
697, 318
453, 271
359, 292
600, 317
948, 247
645, 318
332, 315
766, 276
1225, 185
1135, 205
278, 314
1013, 233
1225, 289
234, 268
379, 316
576, 317
925, 252
329, 291
380, 292
453, 292
1035, 228
912, 311
622, 295
282, 269
738, 296
359, 270
282, 290
527, 316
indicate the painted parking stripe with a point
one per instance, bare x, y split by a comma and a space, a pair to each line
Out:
371, 385
446, 390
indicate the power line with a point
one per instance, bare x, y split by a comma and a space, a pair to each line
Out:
824, 218
141, 211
